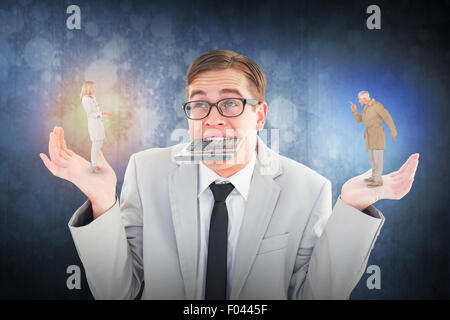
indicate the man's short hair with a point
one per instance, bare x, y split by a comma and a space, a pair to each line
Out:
363, 94
226, 59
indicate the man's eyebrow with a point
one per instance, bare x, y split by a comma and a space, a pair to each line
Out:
195, 92
228, 90
223, 91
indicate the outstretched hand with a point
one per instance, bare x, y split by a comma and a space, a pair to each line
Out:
66, 164
395, 186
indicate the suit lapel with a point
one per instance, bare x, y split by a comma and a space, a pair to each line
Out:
367, 106
262, 198
183, 201
364, 110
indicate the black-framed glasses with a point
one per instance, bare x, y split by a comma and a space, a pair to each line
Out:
228, 107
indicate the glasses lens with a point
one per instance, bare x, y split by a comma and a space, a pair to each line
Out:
231, 107
196, 109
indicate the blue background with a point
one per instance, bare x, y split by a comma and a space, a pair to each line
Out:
316, 55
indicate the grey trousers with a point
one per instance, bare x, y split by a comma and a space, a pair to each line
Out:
96, 147
376, 160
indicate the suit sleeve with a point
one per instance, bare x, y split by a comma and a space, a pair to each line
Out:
89, 107
357, 116
386, 117
110, 247
334, 250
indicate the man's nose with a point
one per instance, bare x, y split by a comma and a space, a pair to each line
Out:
214, 118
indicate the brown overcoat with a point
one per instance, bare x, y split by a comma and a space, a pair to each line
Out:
372, 116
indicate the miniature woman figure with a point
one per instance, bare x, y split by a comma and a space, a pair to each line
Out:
95, 123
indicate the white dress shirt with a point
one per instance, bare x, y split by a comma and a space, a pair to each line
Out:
235, 202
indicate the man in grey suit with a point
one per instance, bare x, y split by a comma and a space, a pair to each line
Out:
258, 226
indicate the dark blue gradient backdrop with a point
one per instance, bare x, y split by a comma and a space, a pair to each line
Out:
317, 56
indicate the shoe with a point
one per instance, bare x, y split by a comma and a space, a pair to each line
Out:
375, 184
368, 179
95, 170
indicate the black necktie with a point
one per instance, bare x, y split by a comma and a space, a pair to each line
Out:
216, 269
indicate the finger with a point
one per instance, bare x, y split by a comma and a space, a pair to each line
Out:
400, 187
403, 189
398, 183
69, 152
407, 186
398, 173
53, 168
55, 152
63, 152
414, 156
395, 178
62, 142
409, 170
60, 135
411, 158
52, 148
402, 168
57, 155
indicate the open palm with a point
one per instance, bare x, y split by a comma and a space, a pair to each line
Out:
66, 164
395, 185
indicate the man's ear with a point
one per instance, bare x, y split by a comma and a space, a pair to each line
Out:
261, 113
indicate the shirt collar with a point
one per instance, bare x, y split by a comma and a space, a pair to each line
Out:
240, 180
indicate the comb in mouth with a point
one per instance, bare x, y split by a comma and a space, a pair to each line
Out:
219, 138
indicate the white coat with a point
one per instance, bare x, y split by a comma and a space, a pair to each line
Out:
95, 123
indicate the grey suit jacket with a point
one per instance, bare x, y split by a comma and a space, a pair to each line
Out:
291, 245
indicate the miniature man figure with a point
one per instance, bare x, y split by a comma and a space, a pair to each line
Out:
373, 115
